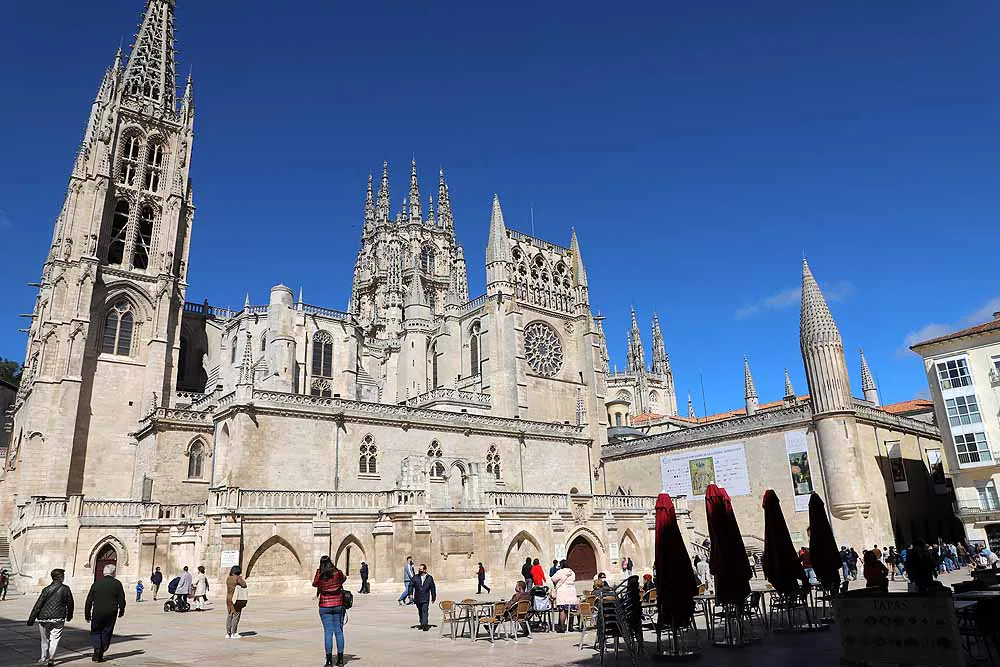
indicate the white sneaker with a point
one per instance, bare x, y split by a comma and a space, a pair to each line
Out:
228, 636
237, 636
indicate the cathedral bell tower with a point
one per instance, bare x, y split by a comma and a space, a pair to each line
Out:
103, 342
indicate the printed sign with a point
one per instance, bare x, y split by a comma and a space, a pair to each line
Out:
797, 449
613, 551
690, 474
896, 467
898, 629
230, 558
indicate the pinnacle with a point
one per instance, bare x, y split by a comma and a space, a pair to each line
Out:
816, 324
497, 249
749, 390
789, 390
867, 381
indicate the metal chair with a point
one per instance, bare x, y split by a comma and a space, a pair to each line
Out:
492, 619
518, 616
586, 618
449, 616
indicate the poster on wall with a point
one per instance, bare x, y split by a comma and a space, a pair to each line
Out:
230, 557
896, 467
690, 474
797, 449
613, 552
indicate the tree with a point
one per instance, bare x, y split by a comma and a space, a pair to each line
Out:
10, 371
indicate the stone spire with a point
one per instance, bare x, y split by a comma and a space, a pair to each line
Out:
369, 203
382, 208
246, 302
445, 216
637, 356
246, 371
749, 390
498, 257
691, 407
187, 102
868, 382
403, 213
789, 389
579, 273
414, 193
605, 359
430, 209
661, 362
822, 351
149, 74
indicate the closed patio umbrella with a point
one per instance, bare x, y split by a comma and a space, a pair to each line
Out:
822, 545
676, 584
728, 559
781, 563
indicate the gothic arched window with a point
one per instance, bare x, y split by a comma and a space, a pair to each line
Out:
434, 453
322, 355
128, 167
263, 341
427, 260
196, 460
118, 324
493, 462
437, 470
474, 333
119, 229
232, 352
367, 462
321, 387
143, 238
154, 165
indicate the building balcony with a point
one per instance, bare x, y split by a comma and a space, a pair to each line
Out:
978, 512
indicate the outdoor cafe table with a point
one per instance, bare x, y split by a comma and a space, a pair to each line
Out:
706, 602
470, 611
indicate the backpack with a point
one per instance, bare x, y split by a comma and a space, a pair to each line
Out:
348, 599
172, 586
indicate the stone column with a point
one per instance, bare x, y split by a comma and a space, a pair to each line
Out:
382, 568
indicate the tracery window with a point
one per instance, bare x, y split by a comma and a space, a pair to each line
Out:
143, 238
196, 460
263, 341
437, 470
427, 260
493, 462
322, 355
434, 453
154, 165
128, 167
367, 463
474, 333
118, 325
321, 387
543, 349
119, 229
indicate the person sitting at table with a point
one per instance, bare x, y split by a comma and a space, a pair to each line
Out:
520, 593
647, 585
601, 583
875, 573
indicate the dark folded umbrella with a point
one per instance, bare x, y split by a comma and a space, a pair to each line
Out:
676, 584
728, 559
781, 563
823, 549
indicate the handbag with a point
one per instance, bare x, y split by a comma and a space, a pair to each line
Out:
348, 599
240, 595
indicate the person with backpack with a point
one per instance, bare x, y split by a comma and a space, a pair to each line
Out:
333, 604
53, 609
236, 600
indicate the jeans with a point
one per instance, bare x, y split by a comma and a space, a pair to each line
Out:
233, 622
482, 585
846, 571
406, 591
156, 589
50, 632
811, 573
422, 613
364, 585
101, 629
333, 626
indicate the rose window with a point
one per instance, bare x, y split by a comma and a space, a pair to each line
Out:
543, 349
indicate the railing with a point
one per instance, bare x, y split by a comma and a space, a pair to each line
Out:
115, 508
255, 310
517, 500
186, 511
210, 311
54, 508
448, 394
312, 501
606, 503
538, 243
478, 302
191, 397
326, 312
972, 512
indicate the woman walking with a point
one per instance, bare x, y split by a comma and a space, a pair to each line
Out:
199, 586
329, 584
566, 600
235, 601
481, 575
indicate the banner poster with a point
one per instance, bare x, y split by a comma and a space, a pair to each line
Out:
898, 629
896, 467
797, 449
229, 558
689, 474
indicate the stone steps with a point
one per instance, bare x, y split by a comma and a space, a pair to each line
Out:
5, 563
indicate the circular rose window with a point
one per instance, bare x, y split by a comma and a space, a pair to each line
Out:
543, 349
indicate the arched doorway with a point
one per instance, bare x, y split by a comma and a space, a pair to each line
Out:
581, 559
106, 556
456, 485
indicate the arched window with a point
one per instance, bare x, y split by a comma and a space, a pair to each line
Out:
232, 353
654, 399
321, 387
263, 341
367, 463
493, 462
427, 260
119, 228
474, 348
434, 453
434, 366
118, 329
437, 470
322, 355
143, 238
128, 168
196, 460
154, 165
618, 419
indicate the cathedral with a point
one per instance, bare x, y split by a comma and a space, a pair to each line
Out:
152, 431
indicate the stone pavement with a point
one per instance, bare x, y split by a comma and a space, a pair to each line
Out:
286, 631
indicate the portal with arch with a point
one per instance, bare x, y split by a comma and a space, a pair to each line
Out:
582, 554
274, 558
349, 555
524, 545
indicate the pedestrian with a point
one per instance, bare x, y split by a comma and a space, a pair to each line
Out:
183, 589
554, 568
537, 573
424, 593
852, 563
364, 578
806, 561
566, 600
329, 584
236, 600
4, 580
155, 580
104, 606
877, 551
200, 589
895, 564
481, 576
920, 568
704, 574
526, 572
407, 578
138, 591
53, 609
875, 573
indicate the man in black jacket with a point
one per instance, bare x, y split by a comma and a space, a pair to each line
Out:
156, 579
424, 593
52, 610
526, 573
105, 605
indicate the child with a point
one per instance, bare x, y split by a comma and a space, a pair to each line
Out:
138, 591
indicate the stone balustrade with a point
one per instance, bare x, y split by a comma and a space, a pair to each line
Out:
117, 509
315, 501
450, 395
638, 503
518, 500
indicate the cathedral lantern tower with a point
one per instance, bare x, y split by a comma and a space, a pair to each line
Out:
107, 317
833, 414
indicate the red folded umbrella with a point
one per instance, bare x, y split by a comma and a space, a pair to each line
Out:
728, 559
676, 584
781, 563
822, 545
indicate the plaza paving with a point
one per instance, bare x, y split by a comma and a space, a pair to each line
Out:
286, 631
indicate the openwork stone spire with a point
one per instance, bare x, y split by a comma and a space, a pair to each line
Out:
822, 351
789, 389
414, 193
691, 406
369, 202
445, 216
605, 359
749, 390
149, 75
579, 273
637, 355
497, 249
661, 362
868, 382
382, 208
246, 372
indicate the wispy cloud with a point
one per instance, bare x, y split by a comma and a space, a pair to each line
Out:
5, 221
935, 329
790, 296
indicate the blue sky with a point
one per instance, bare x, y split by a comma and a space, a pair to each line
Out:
698, 148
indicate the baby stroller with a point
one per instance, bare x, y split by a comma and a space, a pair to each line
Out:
176, 602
